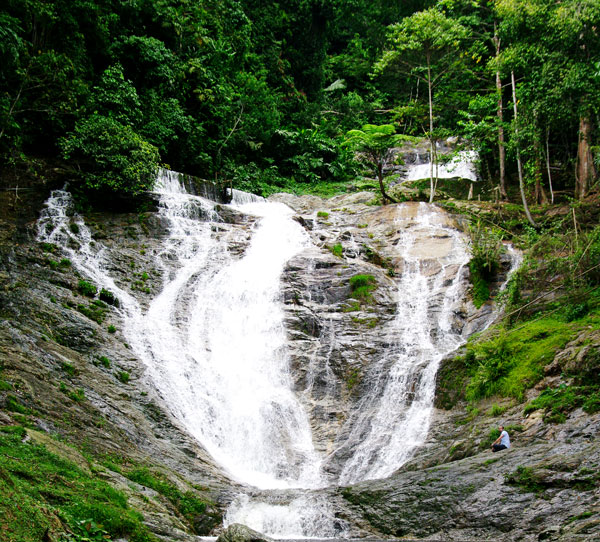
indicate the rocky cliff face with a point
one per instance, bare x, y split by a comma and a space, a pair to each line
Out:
69, 367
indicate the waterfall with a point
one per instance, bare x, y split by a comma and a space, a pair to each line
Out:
462, 166
393, 420
213, 342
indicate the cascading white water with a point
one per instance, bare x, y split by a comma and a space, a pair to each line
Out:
394, 420
214, 343
462, 166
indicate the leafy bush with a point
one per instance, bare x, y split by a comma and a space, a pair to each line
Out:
123, 376
87, 288
486, 247
112, 157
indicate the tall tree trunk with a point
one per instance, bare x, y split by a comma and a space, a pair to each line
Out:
519, 166
548, 164
500, 114
432, 157
585, 164
540, 193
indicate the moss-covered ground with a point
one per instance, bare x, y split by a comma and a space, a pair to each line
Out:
43, 495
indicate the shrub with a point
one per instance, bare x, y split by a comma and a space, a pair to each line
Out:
108, 297
87, 288
123, 376
323, 214
361, 287
111, 329
112, 157
486, 247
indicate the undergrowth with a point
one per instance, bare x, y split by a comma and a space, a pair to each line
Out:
41, 492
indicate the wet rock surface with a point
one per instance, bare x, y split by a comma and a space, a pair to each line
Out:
453, 488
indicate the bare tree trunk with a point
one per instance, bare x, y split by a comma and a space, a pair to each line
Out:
431, 142
548, 164
519, 166
540, 193
500, 114
385, 196
585, 164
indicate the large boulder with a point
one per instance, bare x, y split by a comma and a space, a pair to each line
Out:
237, 532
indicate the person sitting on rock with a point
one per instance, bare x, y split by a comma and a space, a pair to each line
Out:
502, 442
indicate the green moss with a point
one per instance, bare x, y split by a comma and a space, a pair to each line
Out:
68, 368
512, 360
5, 386
361, 287
123, 376
37, 487
14, 405
105, 361
558, 402
95, 311
323, 214
187, 503
525, 478
337, 250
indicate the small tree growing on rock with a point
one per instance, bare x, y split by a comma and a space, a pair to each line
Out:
375, 146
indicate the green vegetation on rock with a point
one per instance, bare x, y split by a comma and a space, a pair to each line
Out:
42, 494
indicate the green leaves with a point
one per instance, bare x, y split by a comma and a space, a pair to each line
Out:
112, 156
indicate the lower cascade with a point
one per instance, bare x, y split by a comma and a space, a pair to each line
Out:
215, 343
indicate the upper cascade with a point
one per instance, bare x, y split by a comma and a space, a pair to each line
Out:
462, 166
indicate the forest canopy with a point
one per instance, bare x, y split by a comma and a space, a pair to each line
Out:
262, 94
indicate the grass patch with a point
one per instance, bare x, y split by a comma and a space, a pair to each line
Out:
14, 405
95, 311
104, 361
512, 361
40, 491
558, 402
323, 214
87, 288
337, 250
361, 287
189, 505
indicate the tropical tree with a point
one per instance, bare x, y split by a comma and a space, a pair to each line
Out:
375, 146
425, 45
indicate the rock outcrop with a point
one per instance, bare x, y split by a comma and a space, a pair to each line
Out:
74, 376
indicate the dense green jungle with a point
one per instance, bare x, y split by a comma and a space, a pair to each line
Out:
306, 97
